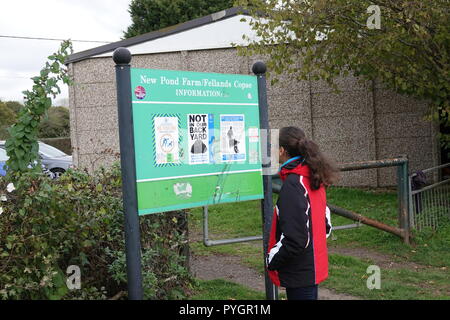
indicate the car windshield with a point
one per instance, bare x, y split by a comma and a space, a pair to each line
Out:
3, 156
50, 151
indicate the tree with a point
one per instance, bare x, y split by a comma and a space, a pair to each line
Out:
55, 123
22, 145
403, 43
7, 118
151, 15
14, 106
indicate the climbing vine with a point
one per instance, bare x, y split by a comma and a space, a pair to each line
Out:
22, 146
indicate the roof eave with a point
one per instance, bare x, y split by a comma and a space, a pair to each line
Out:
224, 14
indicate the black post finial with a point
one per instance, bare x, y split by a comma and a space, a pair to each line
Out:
122, 56
259, 68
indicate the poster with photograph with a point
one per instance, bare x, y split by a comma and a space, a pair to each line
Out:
198, 138
232, 137
166, 140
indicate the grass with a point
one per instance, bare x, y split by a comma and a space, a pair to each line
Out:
229, 219
347, 274
429, 247
224, 290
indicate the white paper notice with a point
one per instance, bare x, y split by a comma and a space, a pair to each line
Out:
166, 140
232, 137
198, 138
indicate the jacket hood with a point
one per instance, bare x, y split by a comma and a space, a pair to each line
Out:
296, 167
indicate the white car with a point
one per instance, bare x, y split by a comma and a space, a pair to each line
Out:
4, 157
53, 159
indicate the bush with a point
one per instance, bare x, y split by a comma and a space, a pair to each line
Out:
47, 225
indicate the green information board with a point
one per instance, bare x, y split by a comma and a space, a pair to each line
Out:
197, 139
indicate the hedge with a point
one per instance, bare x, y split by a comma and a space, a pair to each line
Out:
47, 225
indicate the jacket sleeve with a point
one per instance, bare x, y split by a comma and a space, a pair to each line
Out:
328, 225
293, 222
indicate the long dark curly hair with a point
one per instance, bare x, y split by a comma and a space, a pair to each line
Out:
322, 170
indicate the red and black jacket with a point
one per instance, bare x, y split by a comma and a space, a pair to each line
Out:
298, 254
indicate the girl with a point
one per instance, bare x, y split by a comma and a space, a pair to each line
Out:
298, 258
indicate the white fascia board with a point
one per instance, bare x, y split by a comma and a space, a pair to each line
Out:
220, 34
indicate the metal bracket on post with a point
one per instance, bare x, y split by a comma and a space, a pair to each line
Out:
122, 58
259, 69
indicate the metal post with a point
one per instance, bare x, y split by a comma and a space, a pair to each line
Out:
402, 182
122, 58
411, 214
259, 69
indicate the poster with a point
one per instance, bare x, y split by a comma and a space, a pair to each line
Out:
198, 138
166, 140
232, 137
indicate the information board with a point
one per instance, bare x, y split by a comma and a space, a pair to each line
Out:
197, 139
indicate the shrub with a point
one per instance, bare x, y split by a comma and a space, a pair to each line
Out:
47, 225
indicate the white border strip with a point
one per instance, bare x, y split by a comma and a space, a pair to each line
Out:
201, 103
198, 175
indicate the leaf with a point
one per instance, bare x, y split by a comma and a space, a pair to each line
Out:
84, 259
22, 165
19, 153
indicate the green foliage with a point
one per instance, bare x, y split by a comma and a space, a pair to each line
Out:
14, 106
22, 146
56, 123
47, 225
325, 39
151, 15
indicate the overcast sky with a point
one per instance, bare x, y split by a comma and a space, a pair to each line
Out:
101, 20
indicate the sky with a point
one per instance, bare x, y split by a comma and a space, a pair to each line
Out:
99, 20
